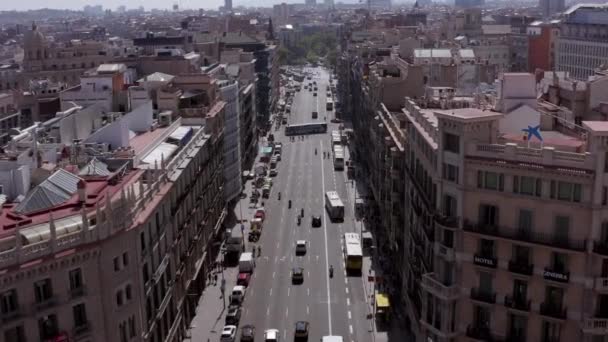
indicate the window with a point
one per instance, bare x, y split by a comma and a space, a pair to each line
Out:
125, 259
75, 279
145, 273
15, 334
128, 292
450, 172
562, 227
451, 143
80, 315
554, 297
42, 290
530, 186
521, 254
520, 290
449, 205
485, 282
119, 298
518, 327
448, 238
486, 248
9, 302
132, 331
47, 327
550, 331
482, 317
488, 215
559, 262
490, 180
142, 241
565, 191
525, 221
122, 330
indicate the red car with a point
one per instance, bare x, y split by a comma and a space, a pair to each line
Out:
243, 279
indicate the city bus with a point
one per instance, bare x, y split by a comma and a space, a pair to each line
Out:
353, 253
334, 206
330, 104
336, 141
338, 158
307, 128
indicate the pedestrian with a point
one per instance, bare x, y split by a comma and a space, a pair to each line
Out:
215, 279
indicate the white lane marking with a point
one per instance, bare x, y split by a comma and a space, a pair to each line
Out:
350, 328
246, 311
326, 249
308, 292
307, 310
345, 279
349, 315
268, 311
289, 288
347, 301
273, 273
284, 332
287, 312
346, 289
271, 292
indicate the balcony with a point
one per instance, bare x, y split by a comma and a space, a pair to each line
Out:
601, 284
485, 261
447, 221
600, 247
521, 267
479, 332
444, 251
82, 329
556, 275
12, 315
595, 326
483, 296
549, 240
77, 292
517, 303
437, 288
554, 311
45, 304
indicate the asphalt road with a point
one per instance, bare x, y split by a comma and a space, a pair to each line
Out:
331, 305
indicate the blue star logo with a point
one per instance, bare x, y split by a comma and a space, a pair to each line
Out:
533, 131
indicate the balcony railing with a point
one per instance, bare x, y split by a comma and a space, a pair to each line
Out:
595, 326
447, 221
600, 247
556, 275
82, 329
517, 266
78, 292
484, 260
553, 310
601, 284
447, 292
483, 295
12, 315
517, 303
526, 236
45, 304
478, 332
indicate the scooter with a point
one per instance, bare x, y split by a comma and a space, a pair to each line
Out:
299, 220
279, 196
302, 212
289, 205
331, 271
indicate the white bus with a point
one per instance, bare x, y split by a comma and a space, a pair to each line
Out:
353, 253
330, 104
334, 206
335, 141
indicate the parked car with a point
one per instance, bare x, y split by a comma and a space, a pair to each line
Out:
228, 333
273, 172
243, 279
234, 315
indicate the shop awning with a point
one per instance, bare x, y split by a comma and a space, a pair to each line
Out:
382, 301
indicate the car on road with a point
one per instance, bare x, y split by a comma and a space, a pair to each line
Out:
301, 331
271, 335
297, 275
336, 120
300, 247
247, 333
234, 315
315, 114
243, 279
316, 221
314, 94
228, 333
273, 172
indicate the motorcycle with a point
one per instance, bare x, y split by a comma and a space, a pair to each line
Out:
289, 206
331, 271
302, 212
279, 196
315, 151
299, 220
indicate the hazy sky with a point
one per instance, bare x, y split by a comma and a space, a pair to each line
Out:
112, 4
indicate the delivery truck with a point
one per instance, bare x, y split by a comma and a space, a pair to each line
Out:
246, 263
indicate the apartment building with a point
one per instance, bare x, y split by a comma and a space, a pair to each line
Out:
495, 249
583, 40
114, 244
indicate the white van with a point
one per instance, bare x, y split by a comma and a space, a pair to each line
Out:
332, 339
237, 295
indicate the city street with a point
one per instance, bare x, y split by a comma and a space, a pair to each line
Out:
332, 306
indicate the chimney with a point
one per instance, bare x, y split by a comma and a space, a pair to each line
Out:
82, 191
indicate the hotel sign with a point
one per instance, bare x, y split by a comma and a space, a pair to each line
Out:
484, 261
556, 276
